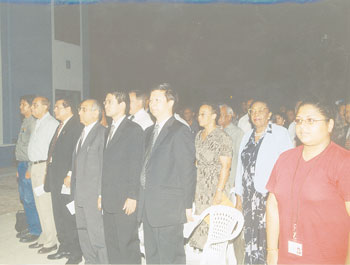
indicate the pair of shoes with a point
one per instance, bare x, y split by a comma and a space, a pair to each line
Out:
22, 233
28, 238
45, 250
59, 255
74, 259
35, 245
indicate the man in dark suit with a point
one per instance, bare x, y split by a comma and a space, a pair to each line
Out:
86, 183
122, 162
59, 165
168, 180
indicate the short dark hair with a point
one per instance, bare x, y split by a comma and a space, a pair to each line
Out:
215, 108
170, 94
140, 95
28, 98
122, 96
323, 107
69, 103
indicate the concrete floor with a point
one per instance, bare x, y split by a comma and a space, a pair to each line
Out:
11, 250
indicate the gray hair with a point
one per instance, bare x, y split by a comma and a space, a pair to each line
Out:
97, 106
229, 110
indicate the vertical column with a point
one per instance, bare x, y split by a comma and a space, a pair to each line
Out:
67, 51
1, 80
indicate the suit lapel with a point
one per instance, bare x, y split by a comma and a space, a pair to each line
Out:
118, 132
65, 128
90, 137
164, 132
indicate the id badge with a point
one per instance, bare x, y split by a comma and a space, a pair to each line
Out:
295, 248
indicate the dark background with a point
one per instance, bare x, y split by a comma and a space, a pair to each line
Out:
214, 51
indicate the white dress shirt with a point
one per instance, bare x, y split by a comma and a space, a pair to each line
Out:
178, 117
87, 130
142, 118
244, 123
64, 124
116, 125
161, 124
40, 138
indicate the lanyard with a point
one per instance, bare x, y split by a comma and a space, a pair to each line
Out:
295, 210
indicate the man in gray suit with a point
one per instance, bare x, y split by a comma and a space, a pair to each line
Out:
86, 183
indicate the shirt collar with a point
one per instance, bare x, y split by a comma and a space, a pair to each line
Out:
66, 120
139, 113
44, 117
89, 127
161, 124
118, 122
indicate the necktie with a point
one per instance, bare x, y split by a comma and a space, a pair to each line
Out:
110, 134
53, 143
132, 117
148, 155
80, 142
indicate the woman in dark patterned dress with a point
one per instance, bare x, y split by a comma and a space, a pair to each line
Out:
213, 154
260, 148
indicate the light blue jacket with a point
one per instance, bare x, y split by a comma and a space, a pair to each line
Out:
272, 146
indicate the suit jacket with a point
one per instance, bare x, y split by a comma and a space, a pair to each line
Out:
170, 175
87, 168
62, 155
122, 164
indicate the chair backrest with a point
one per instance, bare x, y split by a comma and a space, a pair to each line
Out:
225, 224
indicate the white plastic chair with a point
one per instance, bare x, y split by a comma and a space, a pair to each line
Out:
225, 224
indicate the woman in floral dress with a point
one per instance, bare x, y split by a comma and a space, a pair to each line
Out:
213, 154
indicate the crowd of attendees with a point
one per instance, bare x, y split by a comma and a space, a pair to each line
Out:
95, 181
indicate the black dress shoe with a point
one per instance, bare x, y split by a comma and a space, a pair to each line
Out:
22, 233
35, 245
74, 260
28, 238
44, 250
59, 255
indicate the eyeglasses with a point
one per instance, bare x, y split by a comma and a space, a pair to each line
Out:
84, 109
308, 121
253, 112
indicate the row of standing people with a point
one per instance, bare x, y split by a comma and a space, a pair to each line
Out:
296, 190
216, 152
111, 179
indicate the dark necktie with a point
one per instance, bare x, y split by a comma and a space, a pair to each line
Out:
80, 142
110, 134
148, 155
53, 143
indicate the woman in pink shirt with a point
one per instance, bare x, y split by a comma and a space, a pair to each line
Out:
308, 208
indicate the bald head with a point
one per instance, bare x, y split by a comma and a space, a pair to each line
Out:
40, 106
90, 111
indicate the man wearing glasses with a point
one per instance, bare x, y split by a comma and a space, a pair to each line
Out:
86, 183
45, 127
